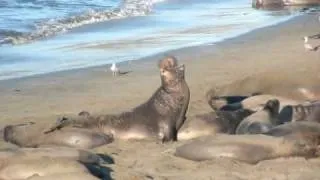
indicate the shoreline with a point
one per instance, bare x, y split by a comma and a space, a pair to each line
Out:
150, 57
31, 72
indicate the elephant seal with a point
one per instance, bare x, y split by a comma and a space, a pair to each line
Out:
65, 176
212, 123
80, 155
308, 111
30, 135
17, 169
218, 102
249, 148
310, 93
161, 116
303, 127
260, 121
257, 102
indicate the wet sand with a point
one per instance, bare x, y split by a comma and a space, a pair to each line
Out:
277, 50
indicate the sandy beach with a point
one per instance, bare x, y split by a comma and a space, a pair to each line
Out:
275, 54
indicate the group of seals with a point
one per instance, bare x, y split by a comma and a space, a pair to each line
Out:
263, 134
253, 130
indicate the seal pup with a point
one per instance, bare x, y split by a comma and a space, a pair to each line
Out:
249, 148
212, 123
260, 121
161, 116
30, 135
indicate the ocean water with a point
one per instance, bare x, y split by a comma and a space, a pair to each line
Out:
42, 36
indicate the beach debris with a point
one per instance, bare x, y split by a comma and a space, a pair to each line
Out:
308, 46
115, 70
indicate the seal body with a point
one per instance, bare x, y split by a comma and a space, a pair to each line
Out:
66, 176
260, 121
257, 102
72, 154
212, 123
248, 148
31, 135
161, 116
253, 102
217, 102
17, 169
302, 127
309, 111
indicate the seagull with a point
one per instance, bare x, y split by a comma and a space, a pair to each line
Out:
115, 70
308, 46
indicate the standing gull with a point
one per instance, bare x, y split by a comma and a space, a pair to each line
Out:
115, 70
308, 46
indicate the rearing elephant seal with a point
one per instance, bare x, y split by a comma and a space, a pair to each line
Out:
161, 116
260, 121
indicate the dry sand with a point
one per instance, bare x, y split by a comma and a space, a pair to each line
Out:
278, 49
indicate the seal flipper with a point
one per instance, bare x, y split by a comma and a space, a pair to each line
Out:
232, 107
60, 124
285, 114
169, 131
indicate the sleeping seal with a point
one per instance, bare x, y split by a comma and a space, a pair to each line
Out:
72, 154
260, 121
161, 116
309, 111
254, 102
212, 123
217, 102
65, 176
30, 135
249, 148
303, 127
17, 169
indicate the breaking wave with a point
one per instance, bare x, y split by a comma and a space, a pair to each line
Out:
127, 8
